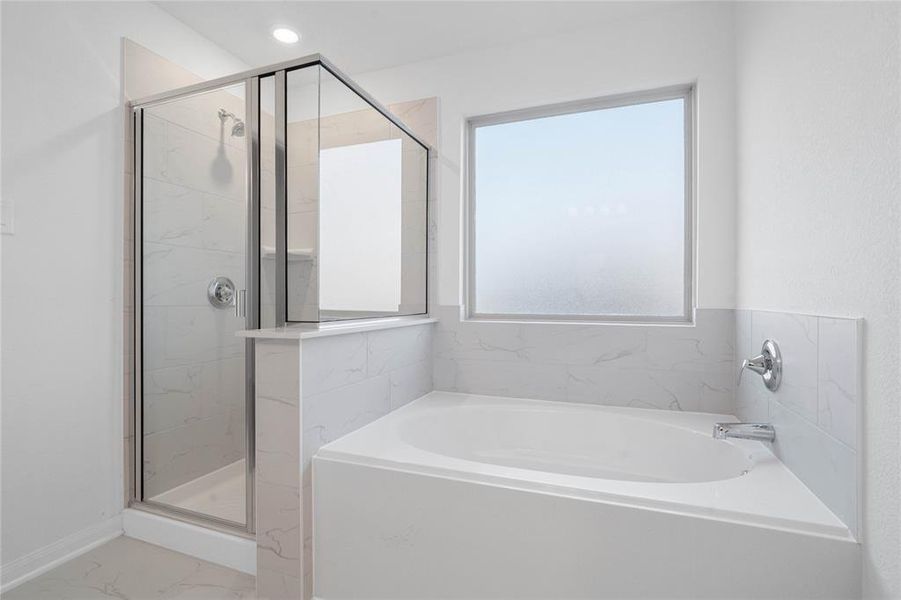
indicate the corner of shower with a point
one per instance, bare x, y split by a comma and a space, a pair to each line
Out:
195, 287
229, 233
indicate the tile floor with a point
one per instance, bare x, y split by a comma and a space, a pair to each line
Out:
128, 569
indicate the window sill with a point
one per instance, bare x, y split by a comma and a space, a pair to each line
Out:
542, 320
310, 331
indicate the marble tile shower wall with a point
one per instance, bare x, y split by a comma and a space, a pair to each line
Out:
816, 409
351, 380
193, 231
145, 73
665, 367
277, 479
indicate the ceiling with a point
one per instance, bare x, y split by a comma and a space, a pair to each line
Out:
365, 36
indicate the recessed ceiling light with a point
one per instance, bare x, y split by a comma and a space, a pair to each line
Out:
285, 35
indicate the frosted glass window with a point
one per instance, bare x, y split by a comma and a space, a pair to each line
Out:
360, 252
582, 214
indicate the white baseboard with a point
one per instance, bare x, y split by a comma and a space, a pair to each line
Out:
42, 560
231, 551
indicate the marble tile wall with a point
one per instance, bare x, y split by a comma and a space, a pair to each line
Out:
279, 528
144, 73
194, 230
816, 411
351, 380
644, 366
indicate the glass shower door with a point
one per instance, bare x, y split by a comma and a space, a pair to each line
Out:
193, 224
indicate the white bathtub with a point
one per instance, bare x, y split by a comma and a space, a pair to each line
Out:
460, 496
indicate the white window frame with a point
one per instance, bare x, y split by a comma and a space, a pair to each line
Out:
684, 92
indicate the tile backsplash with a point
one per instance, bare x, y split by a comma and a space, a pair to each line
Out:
838, 378
644, 366
816, 410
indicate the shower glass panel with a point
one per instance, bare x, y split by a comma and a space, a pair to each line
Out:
281, 196
193, 223
357, 210
267, 266
302, 201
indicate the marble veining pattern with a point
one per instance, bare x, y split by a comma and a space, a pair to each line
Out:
667, 367
797, 337
278, 478
816, 409
838, 376
344, 381
129, 569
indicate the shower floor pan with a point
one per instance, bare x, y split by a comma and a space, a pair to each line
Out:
220, 494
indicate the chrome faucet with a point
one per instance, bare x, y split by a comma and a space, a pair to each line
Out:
767, 364
762, 432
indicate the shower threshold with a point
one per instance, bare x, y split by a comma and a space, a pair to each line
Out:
220, 494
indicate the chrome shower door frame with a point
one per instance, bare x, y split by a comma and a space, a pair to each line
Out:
251, 316
251, 81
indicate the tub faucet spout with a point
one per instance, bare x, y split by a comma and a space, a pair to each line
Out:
762, 432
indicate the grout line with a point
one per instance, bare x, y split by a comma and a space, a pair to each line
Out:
193, 364
238, 253
227, 412
231, 199
216, 140
809, 422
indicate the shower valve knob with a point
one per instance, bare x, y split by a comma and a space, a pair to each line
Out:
221, 292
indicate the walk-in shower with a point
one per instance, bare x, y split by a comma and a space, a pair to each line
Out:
282, 195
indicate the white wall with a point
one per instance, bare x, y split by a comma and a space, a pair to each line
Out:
818, 214
62, 166
673, 45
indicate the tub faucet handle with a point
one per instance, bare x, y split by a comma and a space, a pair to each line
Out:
767, 364
756, 364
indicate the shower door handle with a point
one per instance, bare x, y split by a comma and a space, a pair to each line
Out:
241, 303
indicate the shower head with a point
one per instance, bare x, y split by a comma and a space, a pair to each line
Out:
238, 127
